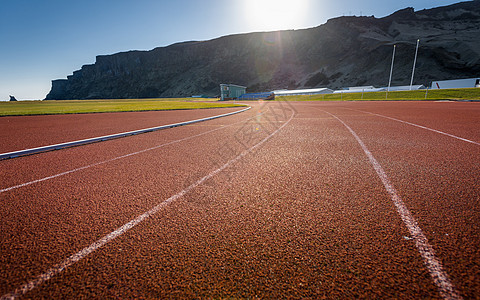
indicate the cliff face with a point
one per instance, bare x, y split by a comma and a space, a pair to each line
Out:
346, 51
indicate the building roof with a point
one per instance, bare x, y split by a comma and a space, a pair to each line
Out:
360, 91
235, 85
366, 87
302, 92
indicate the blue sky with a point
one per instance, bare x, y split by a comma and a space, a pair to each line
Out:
43, 40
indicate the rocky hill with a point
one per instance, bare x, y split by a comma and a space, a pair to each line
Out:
346, 51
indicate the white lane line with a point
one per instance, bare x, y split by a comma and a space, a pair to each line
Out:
121, 230
116, 158
434, 266
48, 148
419, 126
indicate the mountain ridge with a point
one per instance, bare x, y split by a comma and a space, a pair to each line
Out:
345, 51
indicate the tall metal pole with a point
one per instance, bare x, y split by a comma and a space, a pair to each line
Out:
391, 70
414, 63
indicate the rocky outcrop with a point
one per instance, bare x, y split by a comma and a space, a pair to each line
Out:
346, 51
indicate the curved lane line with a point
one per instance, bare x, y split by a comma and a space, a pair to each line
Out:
36, 150
419, 126
116, 158
121, 230
434, 266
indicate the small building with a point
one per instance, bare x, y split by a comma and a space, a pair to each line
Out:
302, 92
366, 89
361, 88
359, 91
369, 89
456, 83
257, 96
231, 91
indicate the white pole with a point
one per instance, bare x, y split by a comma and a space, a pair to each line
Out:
391, 69
414, 63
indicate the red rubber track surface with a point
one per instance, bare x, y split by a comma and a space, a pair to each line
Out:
23, 132
302, 216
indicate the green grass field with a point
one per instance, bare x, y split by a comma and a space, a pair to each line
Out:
23, 108
447, 94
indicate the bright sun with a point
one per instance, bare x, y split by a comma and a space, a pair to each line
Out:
276, 14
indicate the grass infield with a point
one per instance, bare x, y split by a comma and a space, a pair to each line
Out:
447, 94
50, 107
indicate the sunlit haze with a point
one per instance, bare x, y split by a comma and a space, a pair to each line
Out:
46, 40
277, 14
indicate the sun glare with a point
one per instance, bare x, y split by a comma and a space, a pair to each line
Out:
276, 14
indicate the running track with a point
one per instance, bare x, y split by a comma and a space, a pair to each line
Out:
286, 200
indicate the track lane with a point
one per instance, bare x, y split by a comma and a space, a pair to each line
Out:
98, 163
437, 176
76, 143
442, 281
73, 201
37, 131
87, 187
59, 268
71, 159
456, 118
